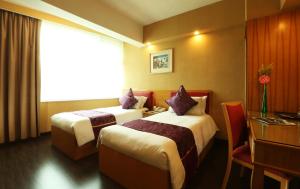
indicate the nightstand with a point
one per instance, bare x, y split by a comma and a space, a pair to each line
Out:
150, 113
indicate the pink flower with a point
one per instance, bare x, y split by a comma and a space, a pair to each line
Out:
264, 79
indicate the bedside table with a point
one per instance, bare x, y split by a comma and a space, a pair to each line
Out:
150, 113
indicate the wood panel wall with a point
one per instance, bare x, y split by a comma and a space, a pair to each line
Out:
275, 40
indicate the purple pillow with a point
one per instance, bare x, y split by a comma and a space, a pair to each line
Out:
128, 100
123, 98
181, 102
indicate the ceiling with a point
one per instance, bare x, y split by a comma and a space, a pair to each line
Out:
149, 11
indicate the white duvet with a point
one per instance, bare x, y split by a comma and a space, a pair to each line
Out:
157, 150
81, 126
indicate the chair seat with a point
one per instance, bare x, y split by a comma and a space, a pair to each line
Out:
243, 153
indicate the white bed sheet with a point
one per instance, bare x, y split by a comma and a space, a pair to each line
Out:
157, 150
81, 126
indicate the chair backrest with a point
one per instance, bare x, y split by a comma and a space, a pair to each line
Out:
235, 123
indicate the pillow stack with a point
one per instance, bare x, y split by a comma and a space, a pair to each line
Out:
181, 102
198, 109
141, 100
130, 101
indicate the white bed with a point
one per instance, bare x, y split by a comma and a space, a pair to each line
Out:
159, 151
81, 126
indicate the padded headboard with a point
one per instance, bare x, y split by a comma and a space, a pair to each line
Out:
149, 95
199, 93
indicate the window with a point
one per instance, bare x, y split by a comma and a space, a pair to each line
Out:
79, 65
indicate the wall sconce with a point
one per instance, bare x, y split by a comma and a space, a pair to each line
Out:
196, 33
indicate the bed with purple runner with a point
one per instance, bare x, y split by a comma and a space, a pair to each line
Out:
74, 133
98, 119
160, 151
183, 137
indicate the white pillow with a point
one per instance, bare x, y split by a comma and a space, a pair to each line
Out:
170, 109
199, 109
140, 103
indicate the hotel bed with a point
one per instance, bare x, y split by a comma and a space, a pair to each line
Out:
74, 133
138, 159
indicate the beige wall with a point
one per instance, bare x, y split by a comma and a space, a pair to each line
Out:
261, 8
50, 108
290, 4
217, 16
214, 60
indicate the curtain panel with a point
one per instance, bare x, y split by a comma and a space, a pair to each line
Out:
274, 40
19, 76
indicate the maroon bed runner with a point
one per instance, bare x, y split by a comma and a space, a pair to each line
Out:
183, 137
98, 119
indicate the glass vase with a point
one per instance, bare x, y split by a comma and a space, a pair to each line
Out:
264, 103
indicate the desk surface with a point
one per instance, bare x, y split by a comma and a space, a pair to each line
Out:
273, 146
282, 134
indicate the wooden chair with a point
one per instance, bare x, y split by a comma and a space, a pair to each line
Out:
238, 147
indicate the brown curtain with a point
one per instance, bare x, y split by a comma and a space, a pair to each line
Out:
275, 40
19, 76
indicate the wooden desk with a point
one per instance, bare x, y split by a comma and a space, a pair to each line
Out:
273, 146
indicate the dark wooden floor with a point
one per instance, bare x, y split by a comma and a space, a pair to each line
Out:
34, 164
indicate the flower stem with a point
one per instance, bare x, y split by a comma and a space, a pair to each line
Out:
264, 105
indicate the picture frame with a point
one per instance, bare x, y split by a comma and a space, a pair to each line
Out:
161, 61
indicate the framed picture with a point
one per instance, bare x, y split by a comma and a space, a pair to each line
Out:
161, 62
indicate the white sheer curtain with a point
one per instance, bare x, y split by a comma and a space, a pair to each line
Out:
79, 65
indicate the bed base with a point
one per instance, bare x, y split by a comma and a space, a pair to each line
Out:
66, 143
134, 174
